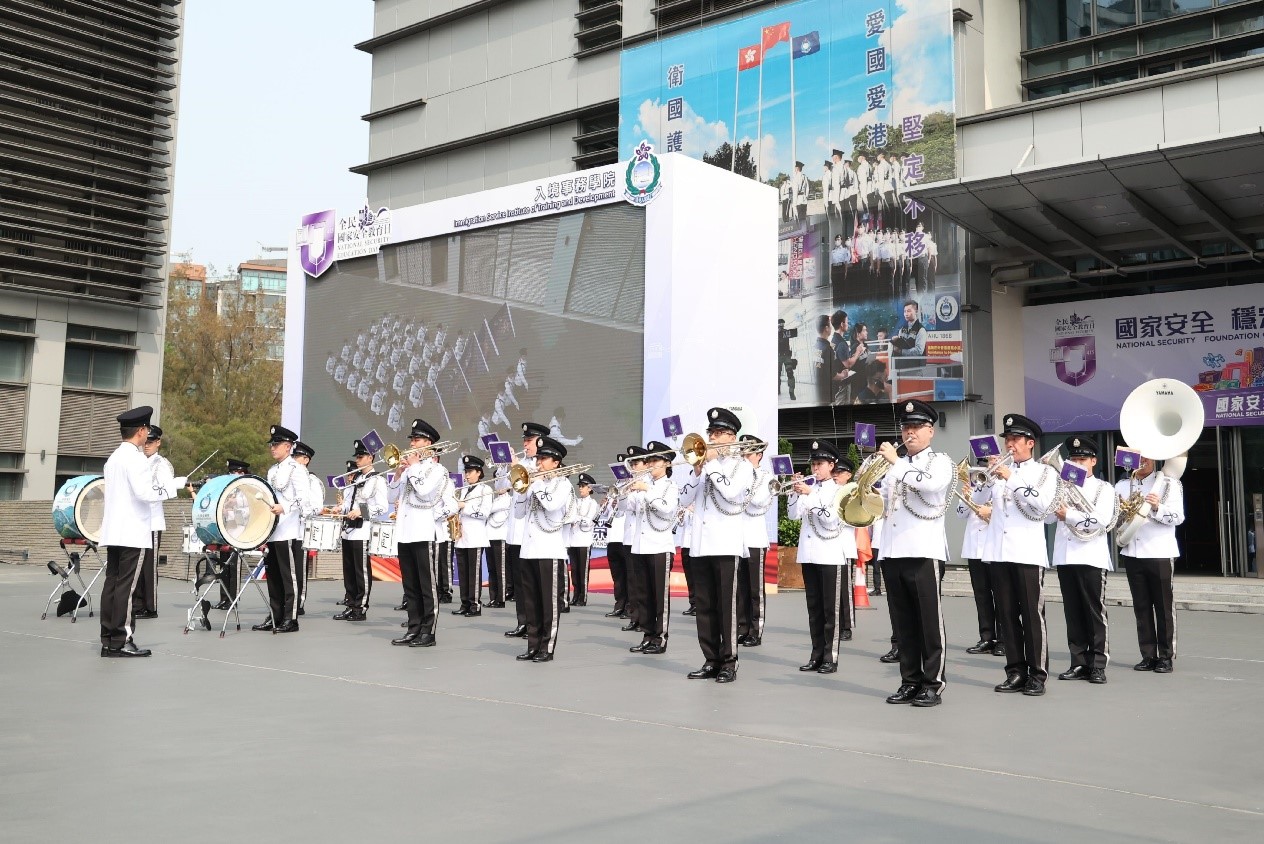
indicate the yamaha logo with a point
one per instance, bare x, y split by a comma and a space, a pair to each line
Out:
1164, 393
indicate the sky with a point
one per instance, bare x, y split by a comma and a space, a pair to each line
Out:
830, 104
271, 93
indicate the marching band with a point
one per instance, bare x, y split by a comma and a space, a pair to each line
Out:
535, 532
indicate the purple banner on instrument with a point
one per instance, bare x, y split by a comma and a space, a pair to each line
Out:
458, 479
336, 481
984, 446
488, 439
1073, 474
866, 435
782, 465
1234, 407
620, 471
1126, 459
672, 427
502, 453
372, 441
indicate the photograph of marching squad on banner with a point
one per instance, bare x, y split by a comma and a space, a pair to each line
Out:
481, 331
1081, 359
843, 107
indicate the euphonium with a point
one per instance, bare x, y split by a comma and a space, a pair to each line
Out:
965, 473
857, 502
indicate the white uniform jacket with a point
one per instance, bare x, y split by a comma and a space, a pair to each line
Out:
130, 489
614, 514
477, 501
976, 533
164, 476
369, 494
1157, 537
315, 495
446, 508
498, 516
824, 539
1082, 540
289, 481
653, 515
578, 532
547, 504
421, 491
916, 490
1016, 533
518, 512
756, 510
719, 500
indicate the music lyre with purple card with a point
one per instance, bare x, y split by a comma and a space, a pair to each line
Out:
372, 442
458, 479
672, 427
1074, 474
782, 465
866, 435
502, 453
488, 439
984, 446
336, 481
1127, 459
620, 472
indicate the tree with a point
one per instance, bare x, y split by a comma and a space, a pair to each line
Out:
723, 158
219, 389
936, 146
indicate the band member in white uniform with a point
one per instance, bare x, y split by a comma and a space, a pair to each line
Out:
653, 503
421, 484
129, 491
1018, 501
980, 578
443, 536
475, 505
543, 552
146, 597
616, 550
1081, 556
842, 474
826, 546
289, 481
718, 544
914, 548
518, 513
638, 588
1149, 561
751, 593
303, 454
579, 537
365, 502
497, 530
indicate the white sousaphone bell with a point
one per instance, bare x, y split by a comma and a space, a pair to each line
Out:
1160, 419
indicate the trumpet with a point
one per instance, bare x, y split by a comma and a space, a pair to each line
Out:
783, 486
965, 476
1006, 461
619, 490
520, 479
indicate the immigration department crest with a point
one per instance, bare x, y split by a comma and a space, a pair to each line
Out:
641, 182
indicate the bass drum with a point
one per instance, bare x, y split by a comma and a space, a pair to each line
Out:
79, 507
235, 510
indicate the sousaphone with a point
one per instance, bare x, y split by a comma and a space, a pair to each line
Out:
1161, 419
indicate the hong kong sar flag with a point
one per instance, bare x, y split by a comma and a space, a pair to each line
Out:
774, 35
749, 57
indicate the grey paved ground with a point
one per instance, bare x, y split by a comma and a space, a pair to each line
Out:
333, 734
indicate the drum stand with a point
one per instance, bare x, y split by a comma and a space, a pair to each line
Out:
73, 566
206, 584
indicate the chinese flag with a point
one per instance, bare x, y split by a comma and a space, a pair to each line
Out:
773, 35
749, 57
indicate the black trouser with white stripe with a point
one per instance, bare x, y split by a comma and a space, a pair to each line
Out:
356, 574
984, 602
823, 588
146, 597
564, 584
1084, 602
281, 565
443, 565
638, 589
300, 572
538, 599
1153, 603
513, 553
1020, 609
469, 563
421, 590
715, 585
617, 558
686, 565
496, 571
579, 574
752, 597
657, 608
847, 612
122, 568
913, 593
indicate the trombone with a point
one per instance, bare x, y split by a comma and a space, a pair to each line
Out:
695, 448
392, 455
520, 479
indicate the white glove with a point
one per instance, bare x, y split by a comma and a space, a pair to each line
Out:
180, 482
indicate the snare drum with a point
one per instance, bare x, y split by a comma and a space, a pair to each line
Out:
235, 510
79, 507
382, 540
321, 533
191, 543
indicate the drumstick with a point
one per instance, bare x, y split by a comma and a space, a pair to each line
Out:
203, 463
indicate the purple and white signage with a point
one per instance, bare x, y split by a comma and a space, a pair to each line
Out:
316, 242
1081, 360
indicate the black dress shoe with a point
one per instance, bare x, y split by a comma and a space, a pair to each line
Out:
147, 614
128, 650
542, 657
828, 668
527, 657
654, 649
1034, 687
582, 602
473, 613
890, 656
509, 596
692, 610
727, 675
405, 639
301, 611
1145, 665
904, 694
927, 697
637, 649
1097, 676
402, 607
631, 627
998, 649
706, 672
265, 627
1013, 683
753, 641
623, 614
810, 665
290, 626
517, 633
500, 605
1163, 666
343, 616
983, 647
846, 635
459, 611
356, 615
222, 605
614, 613
445, 599
423, 640
1076, 672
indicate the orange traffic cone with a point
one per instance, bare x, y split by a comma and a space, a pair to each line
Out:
860, 592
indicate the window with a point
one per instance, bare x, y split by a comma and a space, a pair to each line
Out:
99, 335
1117, 48
1241, 22
90, 368
1168, 37
1115, 14
1047, 63
1157, 10
1055, 21
13, 358
10, 486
